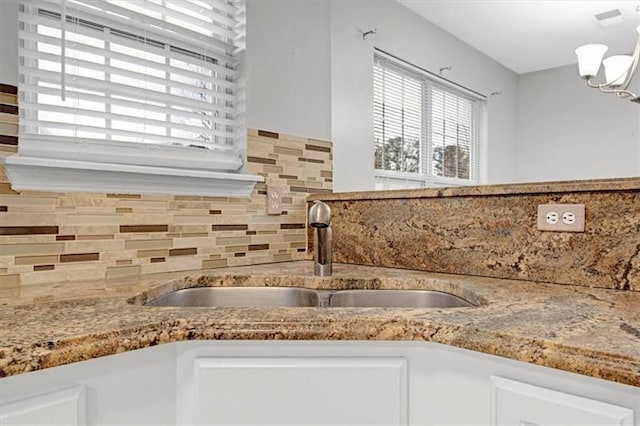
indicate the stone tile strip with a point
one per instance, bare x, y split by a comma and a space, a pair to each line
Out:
79, 257
183, 251
37, 268
268, 134
9, 111
293, 226
8, 89
28, 230
261, 160
144, 228
318, 148
229, 227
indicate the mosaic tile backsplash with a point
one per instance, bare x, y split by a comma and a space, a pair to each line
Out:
48, 237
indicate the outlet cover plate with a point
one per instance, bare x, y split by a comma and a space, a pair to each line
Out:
274, 200
560, 209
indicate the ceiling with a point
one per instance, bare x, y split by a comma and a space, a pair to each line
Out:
526, 35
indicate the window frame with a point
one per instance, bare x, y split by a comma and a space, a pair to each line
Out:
95, 165
425, 178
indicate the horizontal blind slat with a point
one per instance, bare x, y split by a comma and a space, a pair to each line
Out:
220, 11
101, 130
76, 96
93, 84
223, 71
124, 16
121, 117
173, 12
143, 78
116, 102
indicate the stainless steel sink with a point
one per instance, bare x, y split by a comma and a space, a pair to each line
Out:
302, 297
238, 297
396, 299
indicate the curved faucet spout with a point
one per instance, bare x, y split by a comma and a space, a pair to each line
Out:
320, 221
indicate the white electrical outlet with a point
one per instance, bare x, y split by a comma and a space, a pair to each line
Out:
274, 200
561, 217
552, 218
568, 218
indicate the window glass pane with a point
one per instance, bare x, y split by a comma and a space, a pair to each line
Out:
397, 121
422, 127
451, 122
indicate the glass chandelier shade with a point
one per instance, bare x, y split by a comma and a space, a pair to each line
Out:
619, 69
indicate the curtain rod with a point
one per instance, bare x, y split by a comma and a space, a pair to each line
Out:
436, 76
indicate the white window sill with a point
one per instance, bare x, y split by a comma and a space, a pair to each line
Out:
57, 175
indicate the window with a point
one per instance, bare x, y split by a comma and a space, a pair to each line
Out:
426, 133
150, 83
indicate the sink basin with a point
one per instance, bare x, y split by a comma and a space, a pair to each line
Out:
302, 297
238, 297
396, 299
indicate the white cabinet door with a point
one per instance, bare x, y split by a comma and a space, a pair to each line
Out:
517, 403
64, 407
301, 391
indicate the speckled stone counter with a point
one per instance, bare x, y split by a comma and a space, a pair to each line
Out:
552, 187
491, 231
595, 332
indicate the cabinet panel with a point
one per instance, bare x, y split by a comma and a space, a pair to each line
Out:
64, 407
301, 391
517, 403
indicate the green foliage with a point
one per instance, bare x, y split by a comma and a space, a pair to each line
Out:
398, 154
451, 161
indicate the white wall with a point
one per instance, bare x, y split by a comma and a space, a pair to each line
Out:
408, 36
309, 73
8, 42
288, 71
288, 67
569, 131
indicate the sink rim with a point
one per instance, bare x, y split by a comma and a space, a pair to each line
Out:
455, 300
323, 297
289, 297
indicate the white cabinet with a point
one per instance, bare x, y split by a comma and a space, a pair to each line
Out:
132, 388
517, 403
300, 390
62, 407
311, 383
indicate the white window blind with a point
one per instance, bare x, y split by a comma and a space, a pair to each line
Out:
153, 72
425, 133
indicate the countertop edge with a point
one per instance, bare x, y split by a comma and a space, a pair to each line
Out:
511, 347
550, 325
594, 185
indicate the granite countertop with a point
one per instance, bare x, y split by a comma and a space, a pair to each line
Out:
595, 332
592, 185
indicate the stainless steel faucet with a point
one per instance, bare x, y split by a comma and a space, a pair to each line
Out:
320, 221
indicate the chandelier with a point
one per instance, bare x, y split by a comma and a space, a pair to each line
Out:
618, 69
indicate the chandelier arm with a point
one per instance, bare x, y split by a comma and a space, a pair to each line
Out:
625, 94
634, 65
604, 87
620, 90
594, 85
